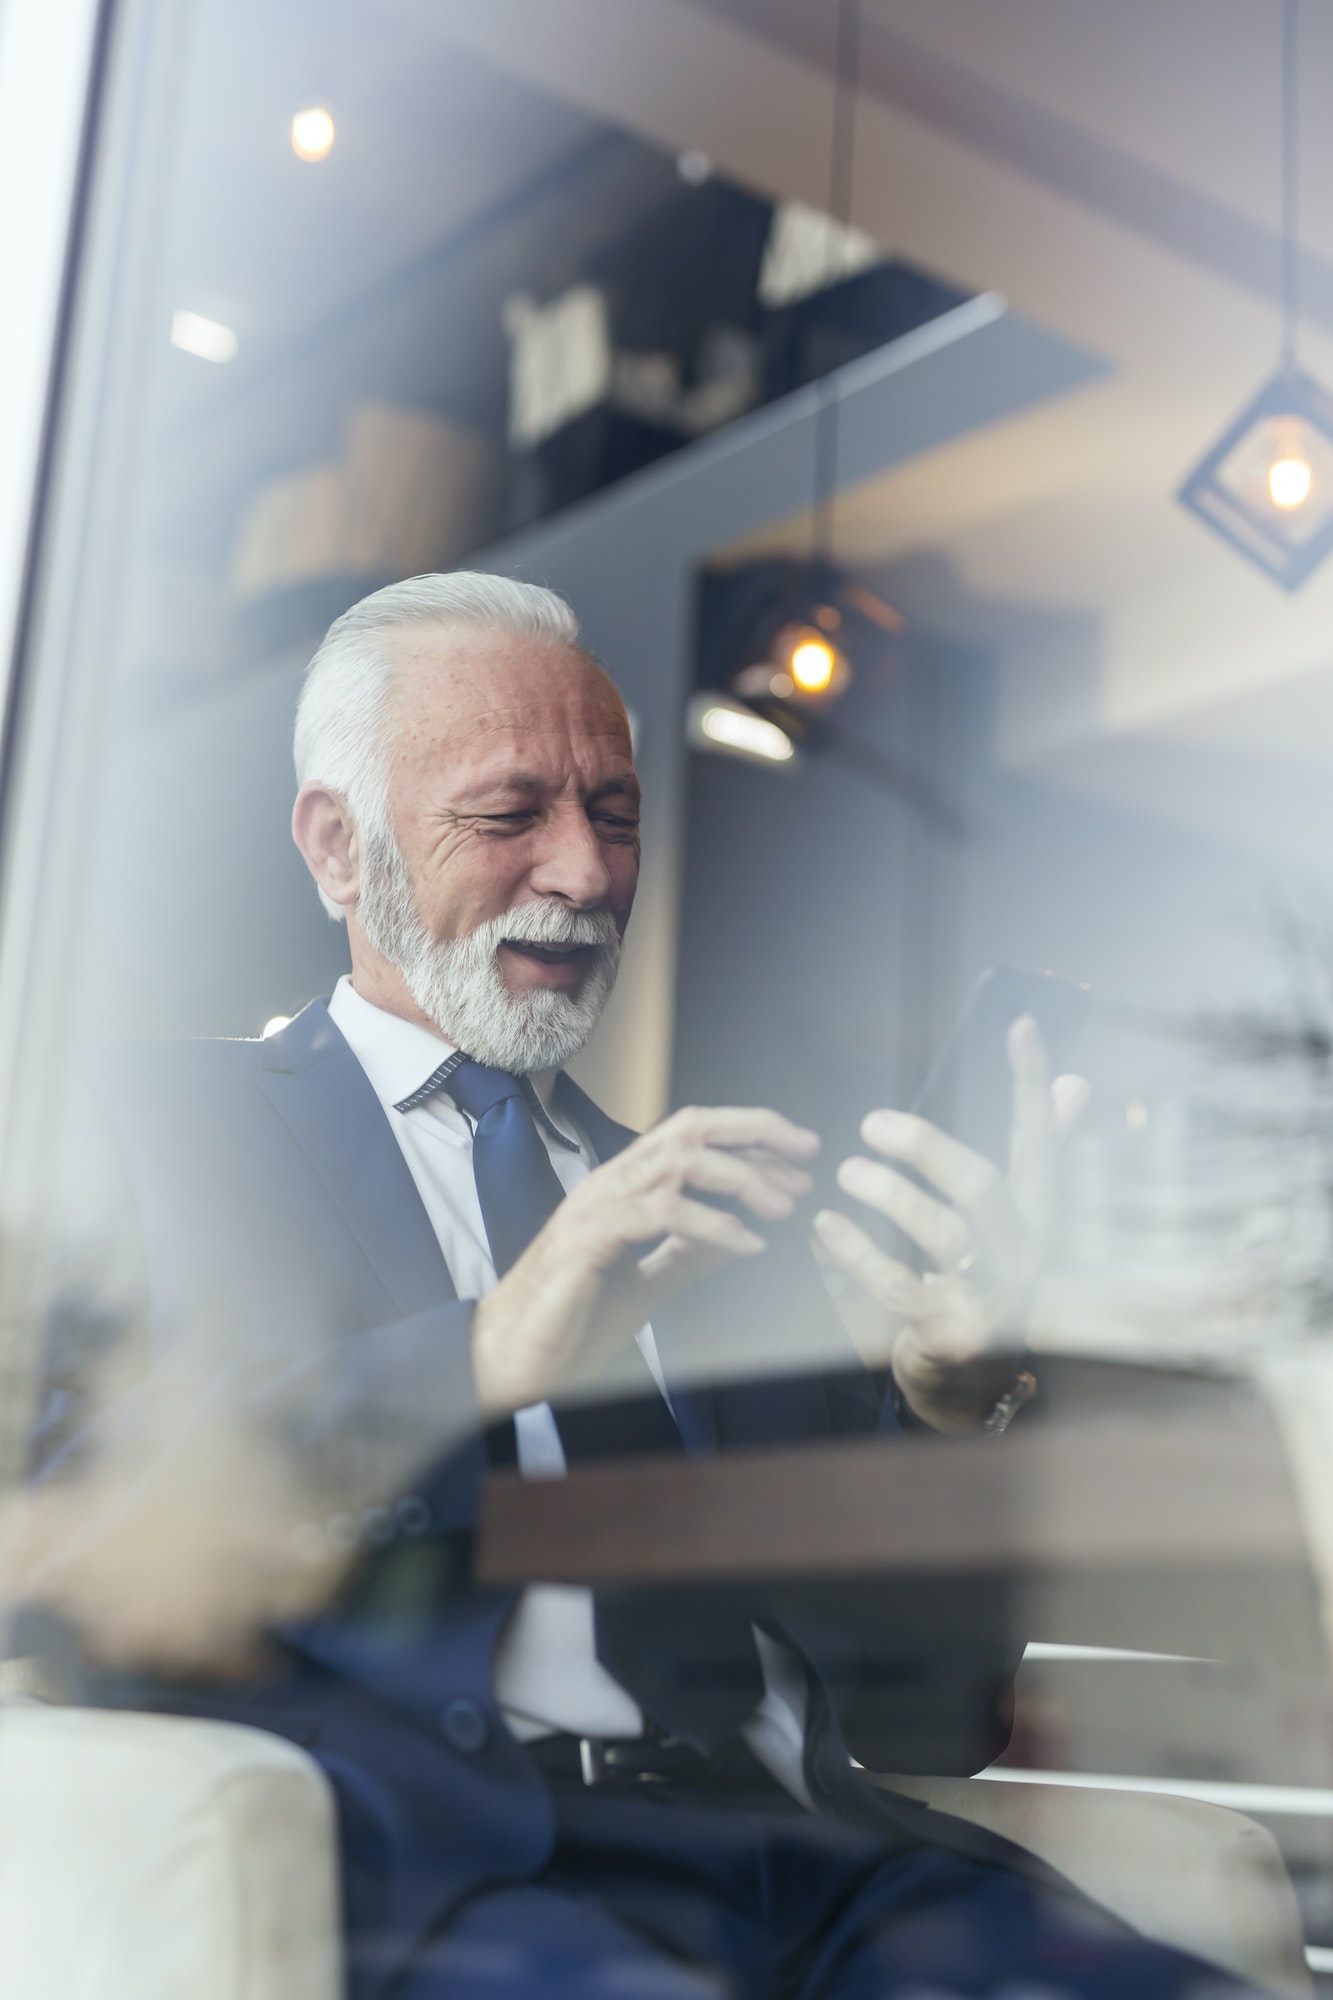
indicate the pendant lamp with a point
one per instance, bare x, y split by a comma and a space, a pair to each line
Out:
1266, 486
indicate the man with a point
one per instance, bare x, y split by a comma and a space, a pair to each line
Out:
419, 1244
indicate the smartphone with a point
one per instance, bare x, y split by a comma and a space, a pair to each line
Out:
969, 1090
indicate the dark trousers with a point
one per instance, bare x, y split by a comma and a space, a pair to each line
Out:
663, 1895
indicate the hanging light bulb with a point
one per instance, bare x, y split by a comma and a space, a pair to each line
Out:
813, 665
1266, 486
1289, 482
813, 668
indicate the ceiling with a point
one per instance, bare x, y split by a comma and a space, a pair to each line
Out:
1113, 172
429, 141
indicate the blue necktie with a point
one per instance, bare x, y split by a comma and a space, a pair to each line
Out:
686, 1656
518, 1191
517, 1187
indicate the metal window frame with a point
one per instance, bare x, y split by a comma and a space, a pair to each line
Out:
111, 90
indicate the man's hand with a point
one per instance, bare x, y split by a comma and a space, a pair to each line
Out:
585, 1285
956, 1330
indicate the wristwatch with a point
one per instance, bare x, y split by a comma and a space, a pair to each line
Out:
1021, 1390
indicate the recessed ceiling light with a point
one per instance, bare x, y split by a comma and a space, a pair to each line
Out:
312, 134
713, 722
208, 338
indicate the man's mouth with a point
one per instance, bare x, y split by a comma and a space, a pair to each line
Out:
549, 954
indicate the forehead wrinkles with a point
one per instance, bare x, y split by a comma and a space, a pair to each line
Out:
476, 677
451, 703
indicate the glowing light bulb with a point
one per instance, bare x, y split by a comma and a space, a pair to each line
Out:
1289, 481
812, 665
312, 134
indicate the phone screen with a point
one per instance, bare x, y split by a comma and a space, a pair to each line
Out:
969, 1091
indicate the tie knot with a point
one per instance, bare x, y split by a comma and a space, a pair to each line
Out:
477, 1089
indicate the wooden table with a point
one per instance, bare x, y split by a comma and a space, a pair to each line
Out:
1180, 1535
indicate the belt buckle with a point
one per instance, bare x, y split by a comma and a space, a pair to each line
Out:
592, 1759
604, 1761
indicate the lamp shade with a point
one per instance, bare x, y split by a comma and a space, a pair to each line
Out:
1266, 486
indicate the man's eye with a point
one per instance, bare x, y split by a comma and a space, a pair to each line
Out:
617, 823
507, 819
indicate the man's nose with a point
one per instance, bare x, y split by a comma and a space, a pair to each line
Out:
572, 864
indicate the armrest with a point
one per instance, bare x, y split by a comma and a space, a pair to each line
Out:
144, 1857
1197, 1877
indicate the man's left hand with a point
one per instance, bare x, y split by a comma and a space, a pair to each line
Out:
956, 1330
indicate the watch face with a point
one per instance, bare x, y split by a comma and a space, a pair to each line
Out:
1023, 1388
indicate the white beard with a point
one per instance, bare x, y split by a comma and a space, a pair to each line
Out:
458, 984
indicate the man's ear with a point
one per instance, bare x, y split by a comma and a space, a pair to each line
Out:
322, 828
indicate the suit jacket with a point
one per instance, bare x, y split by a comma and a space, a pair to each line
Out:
282, 1228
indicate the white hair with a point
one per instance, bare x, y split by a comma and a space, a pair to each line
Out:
458, 984
339, 740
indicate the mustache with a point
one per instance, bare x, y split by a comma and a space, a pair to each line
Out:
547, 923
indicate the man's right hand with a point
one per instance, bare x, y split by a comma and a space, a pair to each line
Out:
582, 1289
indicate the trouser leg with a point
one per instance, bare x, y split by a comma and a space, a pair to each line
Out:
537, 1943
934, 1925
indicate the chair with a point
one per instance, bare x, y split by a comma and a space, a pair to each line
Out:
1199, 1877
150, 1857
144, 1857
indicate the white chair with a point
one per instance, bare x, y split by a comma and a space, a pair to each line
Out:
151, 1858
147, 1857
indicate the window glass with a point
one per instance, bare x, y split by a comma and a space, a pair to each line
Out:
922, 409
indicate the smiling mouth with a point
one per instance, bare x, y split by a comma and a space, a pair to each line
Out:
549, 954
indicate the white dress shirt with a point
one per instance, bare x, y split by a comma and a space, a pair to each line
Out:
547, 1674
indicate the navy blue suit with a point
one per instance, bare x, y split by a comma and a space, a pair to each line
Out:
278, 1214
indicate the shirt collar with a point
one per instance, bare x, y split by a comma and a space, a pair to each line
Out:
397, 1055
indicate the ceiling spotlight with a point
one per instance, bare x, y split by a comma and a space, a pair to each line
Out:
208, 338
714, 723
312, 134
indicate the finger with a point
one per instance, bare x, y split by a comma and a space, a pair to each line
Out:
786, 1173
730, 1126
664, 1257
1069, 1097
712, 1227
782, 1173
712, 1172
969, 1180
676, 1258
939, 1230
886, 1280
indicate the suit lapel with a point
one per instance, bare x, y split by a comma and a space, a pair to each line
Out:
323, 1096
605, 1136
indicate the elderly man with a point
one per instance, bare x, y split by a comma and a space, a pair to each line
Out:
402, 1204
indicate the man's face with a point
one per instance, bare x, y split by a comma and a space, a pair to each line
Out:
511, 781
